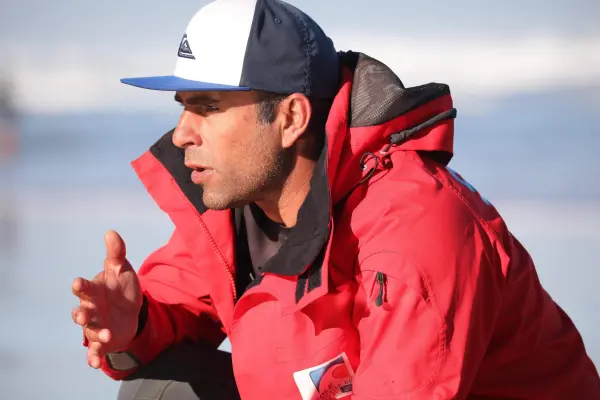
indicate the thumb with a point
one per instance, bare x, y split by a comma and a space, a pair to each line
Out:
115, 251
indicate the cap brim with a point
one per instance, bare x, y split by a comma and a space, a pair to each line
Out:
177, 84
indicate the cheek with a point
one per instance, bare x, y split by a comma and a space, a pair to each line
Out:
238, 146
245, 155
220, 141
234, 155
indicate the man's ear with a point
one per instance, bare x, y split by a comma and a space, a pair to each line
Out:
296, 113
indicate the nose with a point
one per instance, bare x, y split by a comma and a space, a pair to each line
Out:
186, 131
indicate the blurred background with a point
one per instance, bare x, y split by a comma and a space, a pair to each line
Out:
525, 78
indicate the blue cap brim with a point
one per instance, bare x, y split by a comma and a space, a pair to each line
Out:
177, 84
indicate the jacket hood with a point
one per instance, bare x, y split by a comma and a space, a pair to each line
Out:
374, 114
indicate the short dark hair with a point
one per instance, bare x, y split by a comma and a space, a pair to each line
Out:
267, 105
267, 110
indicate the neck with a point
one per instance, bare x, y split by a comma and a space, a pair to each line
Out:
283, 207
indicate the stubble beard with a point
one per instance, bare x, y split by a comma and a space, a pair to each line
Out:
265, 180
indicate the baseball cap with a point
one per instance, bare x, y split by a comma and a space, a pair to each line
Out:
239, 45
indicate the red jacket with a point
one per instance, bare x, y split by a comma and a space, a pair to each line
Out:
399, 280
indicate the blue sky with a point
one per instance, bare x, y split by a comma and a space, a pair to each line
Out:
65, 20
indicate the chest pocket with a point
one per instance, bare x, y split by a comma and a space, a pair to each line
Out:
322, 329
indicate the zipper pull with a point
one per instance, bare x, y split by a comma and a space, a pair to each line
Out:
380, 277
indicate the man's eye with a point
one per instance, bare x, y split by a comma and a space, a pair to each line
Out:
210, 108
201, 108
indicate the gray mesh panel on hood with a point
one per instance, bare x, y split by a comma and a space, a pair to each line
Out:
378, 95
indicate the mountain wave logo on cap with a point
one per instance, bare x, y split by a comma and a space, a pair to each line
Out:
185, 50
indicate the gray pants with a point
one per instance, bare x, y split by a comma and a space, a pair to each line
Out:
183, 372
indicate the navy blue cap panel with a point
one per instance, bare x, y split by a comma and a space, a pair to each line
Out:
287, 52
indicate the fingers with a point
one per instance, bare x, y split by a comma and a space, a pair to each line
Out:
97, 334
81, 316
116, 254
86, 318
94, 355
95, 352
115, 248
85, 314
83, 288
97, 337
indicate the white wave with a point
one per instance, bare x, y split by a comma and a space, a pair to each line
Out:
71, 77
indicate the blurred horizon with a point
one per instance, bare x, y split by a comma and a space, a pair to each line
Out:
525, 78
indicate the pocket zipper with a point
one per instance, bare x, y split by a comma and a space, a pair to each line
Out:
381, 280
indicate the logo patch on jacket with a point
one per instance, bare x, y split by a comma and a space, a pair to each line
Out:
330, 380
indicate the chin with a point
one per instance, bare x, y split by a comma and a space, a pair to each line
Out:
218, 204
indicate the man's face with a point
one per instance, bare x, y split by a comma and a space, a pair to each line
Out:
236, 159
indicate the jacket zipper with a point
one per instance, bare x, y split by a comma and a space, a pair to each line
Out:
215, 247
221, 258
381, 280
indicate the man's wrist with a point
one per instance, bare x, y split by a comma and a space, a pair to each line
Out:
142, 316
126, 360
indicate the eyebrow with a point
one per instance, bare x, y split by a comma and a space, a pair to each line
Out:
197, 99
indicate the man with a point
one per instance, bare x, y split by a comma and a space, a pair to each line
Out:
318, 226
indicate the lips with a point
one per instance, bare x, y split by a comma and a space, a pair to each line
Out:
196, 166
200, 174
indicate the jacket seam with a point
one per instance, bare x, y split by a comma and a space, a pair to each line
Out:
307, 59
173, 185
198, 218
462, 198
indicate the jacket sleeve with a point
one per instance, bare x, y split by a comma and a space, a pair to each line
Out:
425, 317
177, 307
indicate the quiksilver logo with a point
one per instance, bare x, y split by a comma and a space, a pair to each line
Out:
185, 50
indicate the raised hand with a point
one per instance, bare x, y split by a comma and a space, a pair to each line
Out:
109, 303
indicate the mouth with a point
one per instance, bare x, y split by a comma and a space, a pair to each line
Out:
200, 174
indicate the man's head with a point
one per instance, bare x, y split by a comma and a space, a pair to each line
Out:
243, 145
233, 121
